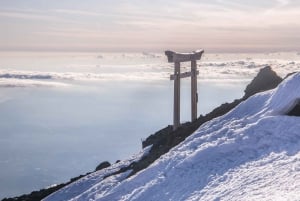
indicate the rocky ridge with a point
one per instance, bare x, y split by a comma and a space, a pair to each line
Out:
165, 139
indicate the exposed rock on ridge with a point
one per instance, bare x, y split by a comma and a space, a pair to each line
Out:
266, 79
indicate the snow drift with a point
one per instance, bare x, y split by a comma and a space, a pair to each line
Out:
251, 153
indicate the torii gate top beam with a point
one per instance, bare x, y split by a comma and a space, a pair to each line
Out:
183, 57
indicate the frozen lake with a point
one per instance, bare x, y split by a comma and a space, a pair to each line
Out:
64, 113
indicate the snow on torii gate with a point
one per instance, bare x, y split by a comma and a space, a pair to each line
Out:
176, 58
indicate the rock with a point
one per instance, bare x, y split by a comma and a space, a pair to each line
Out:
102, 165
295, 111
266, 79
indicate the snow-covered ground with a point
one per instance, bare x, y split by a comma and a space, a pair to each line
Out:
251, 153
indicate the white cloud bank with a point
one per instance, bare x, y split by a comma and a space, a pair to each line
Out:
212, 68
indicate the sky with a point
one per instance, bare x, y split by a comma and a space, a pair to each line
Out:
150, 25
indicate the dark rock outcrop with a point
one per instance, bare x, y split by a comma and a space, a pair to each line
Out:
102, 165
295, 111
266, 79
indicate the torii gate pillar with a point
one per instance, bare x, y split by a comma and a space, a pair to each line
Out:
176, 58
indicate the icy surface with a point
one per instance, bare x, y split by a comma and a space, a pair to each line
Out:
251, 153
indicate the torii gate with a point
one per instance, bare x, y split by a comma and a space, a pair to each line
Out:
176, 58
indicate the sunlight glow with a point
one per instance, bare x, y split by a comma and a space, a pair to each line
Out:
123, 25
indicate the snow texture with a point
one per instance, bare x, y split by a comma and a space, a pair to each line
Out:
84, 188
251, 153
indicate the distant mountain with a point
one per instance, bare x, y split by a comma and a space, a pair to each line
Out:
250, 153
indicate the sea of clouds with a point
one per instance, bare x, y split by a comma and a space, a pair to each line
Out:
150, 67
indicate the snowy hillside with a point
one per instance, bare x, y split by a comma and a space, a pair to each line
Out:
251, 153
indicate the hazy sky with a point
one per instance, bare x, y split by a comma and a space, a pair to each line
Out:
150, 25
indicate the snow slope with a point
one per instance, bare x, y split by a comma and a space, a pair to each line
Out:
251, 153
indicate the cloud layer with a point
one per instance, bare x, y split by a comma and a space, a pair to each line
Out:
221, 68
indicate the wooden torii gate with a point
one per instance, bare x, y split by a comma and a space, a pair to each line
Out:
176, 58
